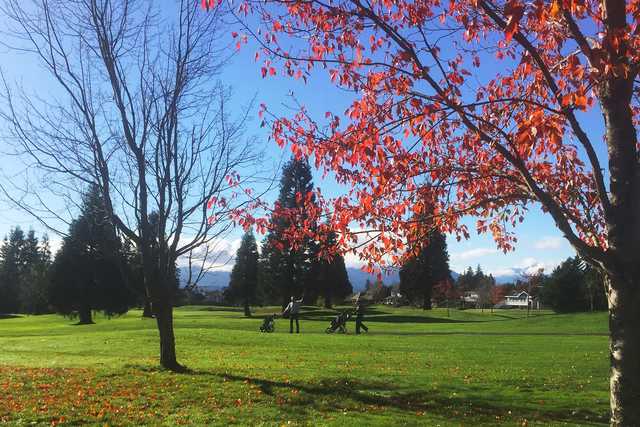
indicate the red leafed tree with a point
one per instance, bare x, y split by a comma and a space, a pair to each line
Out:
445, 292
497, 295
478, 107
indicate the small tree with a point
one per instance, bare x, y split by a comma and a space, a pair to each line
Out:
486, 291
445, 292
87, 271
243, 283
421, 272
331, 275
497, 295
34, 282
11, 267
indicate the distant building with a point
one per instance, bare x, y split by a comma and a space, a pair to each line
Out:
396, 298
470, 297
521, 300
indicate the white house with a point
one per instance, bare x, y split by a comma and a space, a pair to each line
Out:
521, 299
395, 298
470, 299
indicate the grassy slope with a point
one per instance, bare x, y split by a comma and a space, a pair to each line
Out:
470, 369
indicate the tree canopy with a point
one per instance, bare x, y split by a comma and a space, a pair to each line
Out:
420, 273
24, 268
436, 125
89, 271
288, 265
243, 283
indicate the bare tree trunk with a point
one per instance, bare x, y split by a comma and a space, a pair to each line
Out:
164, 320
247, 308
624, 346
147, 311
426, 302
328, 300
84, 315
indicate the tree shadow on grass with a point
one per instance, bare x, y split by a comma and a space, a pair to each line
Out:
392, 318
214, 308
463, 404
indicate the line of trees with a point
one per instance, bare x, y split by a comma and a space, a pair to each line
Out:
574, 286
24, 265
282, 270
95, 269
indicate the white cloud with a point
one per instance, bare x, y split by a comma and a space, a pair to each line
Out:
549, 242
472, 254
217, 255
353, 260
55, 243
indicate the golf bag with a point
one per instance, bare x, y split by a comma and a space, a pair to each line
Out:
339, 324
268, 324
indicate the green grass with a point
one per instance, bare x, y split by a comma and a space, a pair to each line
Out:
413, 368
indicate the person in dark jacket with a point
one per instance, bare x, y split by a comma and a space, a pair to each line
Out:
359, 318
293, 310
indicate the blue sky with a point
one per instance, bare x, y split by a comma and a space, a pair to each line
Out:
539, 243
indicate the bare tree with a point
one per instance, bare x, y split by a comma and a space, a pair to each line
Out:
137, 112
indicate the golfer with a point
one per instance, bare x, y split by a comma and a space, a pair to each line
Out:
359, 318
293, 310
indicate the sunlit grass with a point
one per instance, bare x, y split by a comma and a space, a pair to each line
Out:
413, 368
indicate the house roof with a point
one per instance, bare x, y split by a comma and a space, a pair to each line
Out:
519, 295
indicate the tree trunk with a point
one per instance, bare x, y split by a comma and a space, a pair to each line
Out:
622, 276
147, 311
247, 309
624, 347
164, 320
84, 315
426, 302
328, 300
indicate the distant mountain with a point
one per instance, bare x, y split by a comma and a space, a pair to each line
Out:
358, 278
515, 274
210, 280
219, 279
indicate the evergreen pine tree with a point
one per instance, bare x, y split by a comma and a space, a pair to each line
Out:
34, 281
332, 278
87, 273
288, 271
422, 272
243, 283
269, 273
11, 268
466, 281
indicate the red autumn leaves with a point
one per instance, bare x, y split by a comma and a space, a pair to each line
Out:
436, 121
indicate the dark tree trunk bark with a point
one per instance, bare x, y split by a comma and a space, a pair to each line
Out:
164, 320
624, 347
84, 316
328, 303
247, 309
147, 311
159, 287
426, 302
